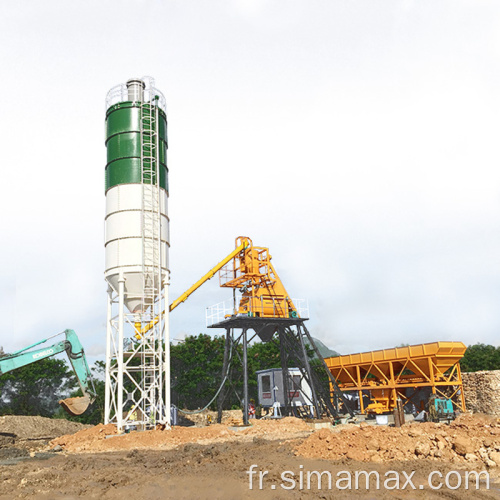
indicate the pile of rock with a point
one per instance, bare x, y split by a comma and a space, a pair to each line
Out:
482, 392
207, 417
470, 439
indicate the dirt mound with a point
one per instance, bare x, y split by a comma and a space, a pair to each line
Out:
22, 434
105, 438
469, 439
38, 427
287, 427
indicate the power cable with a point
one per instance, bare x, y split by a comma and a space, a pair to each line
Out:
218, 390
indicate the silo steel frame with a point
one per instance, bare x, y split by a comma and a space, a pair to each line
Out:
138, 364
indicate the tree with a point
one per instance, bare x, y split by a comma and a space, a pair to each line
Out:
35, 389
196, 366
480, 357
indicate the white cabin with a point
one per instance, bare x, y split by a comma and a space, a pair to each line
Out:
270, 388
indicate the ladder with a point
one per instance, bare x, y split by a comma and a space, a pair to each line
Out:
151, 217
151, 253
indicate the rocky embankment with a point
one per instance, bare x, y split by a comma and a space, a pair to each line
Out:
482, 392
471, 439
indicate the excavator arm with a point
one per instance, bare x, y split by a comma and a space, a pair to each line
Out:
76, 356
22, 358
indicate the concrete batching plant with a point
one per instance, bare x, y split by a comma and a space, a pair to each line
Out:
136, 267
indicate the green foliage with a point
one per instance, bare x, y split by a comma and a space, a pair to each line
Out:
35, 389
196, 370
261, 355
196, 366
480, 357
196, 374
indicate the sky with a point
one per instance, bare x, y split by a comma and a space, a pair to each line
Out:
358, 140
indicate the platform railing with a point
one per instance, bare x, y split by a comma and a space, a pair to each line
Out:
119, 93
302, 306
219, 312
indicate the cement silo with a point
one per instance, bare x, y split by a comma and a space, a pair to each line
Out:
136, 262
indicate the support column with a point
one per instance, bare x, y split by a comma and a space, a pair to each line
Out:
360, 391
336, 388
121, 326
393, 385
284, 370
109, 333
460, 382
431, 375
308, 370
166, 339
245, 378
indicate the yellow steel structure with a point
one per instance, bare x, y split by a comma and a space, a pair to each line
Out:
248, 269
400, 372
263, 293
209, 275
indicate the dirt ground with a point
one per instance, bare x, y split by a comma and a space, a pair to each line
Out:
214, 461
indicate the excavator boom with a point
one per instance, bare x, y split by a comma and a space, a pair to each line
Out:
76, 355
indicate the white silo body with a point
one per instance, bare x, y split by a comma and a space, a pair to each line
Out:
124, 242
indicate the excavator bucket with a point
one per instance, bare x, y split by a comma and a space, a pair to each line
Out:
75, 406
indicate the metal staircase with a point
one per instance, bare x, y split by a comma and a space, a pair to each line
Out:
151, 359
151, 204
296, 344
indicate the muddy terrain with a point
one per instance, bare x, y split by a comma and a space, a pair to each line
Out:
216, 461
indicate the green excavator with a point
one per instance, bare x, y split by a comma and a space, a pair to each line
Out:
76, 355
